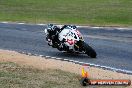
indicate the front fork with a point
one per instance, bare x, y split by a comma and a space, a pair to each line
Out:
78, 46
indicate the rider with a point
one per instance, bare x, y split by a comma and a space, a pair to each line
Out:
52, 34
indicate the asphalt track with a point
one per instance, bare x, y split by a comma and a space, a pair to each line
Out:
114, 47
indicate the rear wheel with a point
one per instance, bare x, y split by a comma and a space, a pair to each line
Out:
89, 50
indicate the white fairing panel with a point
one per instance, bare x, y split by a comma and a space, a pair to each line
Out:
63, 34
70, 35
46, 31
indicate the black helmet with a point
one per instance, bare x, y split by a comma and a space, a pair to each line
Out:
50, 25
54, 27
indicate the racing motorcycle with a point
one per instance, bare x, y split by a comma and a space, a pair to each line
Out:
70, 40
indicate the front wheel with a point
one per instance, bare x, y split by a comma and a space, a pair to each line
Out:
89, 50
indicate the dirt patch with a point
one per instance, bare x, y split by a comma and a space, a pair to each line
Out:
38, 62
43, 63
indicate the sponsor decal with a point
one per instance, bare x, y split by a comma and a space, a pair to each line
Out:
70, 41
85, 80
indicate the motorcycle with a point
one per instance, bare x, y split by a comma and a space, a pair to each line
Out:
72, 41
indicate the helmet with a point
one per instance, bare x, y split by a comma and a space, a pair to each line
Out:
54, 27
50, 25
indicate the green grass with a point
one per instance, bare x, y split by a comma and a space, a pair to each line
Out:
88, 12
15, 76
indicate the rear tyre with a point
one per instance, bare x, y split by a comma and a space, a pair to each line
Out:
89, 50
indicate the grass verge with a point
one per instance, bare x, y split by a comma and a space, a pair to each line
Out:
88, 12
14, 76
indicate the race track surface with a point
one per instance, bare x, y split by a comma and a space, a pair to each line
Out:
114, 47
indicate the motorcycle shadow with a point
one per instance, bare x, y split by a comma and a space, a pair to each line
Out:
72, 55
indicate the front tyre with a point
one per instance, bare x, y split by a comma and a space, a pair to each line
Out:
89, 50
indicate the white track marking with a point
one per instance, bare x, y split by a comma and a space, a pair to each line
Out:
53, 57
76, 61
4, 22
66, 59
40, 55
107, 28
71, 60
82, 63
41, 24
21, 23
47, 56
58, 58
